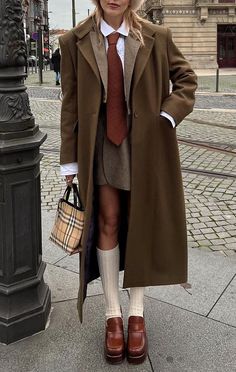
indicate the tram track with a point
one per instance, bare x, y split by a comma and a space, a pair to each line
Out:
210, 146
193, 120
205, 145
208, 173
202, 172
216, 124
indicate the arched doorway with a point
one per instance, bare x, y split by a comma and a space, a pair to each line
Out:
226, 45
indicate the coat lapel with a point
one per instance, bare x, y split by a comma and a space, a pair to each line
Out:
84, 43
86, 49
101, 59
136, 57
131, 50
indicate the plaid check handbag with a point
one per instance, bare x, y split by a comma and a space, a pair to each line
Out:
69, 222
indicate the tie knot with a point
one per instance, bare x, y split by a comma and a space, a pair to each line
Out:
113, 38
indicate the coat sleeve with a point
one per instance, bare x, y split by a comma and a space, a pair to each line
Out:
69, 112
181, 101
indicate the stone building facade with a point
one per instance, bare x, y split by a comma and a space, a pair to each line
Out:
36, 16
204, 30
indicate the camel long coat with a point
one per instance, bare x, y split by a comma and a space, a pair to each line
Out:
153, 241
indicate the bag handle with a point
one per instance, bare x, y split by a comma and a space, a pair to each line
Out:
77, 199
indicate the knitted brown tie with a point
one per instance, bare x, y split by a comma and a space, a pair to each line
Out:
116, 107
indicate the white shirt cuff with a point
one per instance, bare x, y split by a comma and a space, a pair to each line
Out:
169, 117
69, 169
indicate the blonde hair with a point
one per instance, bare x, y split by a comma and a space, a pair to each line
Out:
132, 19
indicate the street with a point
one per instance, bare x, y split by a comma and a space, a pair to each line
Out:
207, 144
191, 327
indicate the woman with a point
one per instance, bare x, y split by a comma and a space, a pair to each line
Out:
118, 133
56, 61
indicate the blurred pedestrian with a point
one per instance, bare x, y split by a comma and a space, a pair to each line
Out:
118, 134
56, 61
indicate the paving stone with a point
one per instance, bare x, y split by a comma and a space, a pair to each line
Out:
199, 225
193, 220
211, 236
230, 246
223, 235
217, 242
205, 219
66, 345
196, 232
224, 309
204, 242
232, 233
207, 230
188, 342
69, 263
208, 275
193, 244
230, 252
218, 247
218, 229
230, 240
211, 224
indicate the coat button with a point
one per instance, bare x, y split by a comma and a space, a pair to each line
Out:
135, 114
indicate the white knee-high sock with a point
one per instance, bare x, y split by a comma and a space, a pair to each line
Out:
136, 301
108, 263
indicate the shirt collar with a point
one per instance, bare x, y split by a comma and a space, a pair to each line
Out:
106, 29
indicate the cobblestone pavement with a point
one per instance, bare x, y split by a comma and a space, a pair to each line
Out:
216, 117
227, 84
213, 101
44, 92
221, 136
49, 79
209, 175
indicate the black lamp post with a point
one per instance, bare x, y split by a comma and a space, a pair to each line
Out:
73, 13
25, 299
38, 24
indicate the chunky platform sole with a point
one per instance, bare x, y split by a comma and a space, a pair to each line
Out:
138, 359
115, 359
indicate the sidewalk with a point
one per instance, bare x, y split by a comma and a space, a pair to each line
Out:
212, 72
206, 80
188, 329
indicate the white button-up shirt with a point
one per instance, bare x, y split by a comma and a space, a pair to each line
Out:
123, 30
106, 29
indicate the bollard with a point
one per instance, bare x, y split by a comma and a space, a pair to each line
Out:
217, 79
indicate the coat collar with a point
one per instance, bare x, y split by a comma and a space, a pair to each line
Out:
85, 47
84, 27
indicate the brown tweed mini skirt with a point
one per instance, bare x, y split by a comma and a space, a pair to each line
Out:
111, 163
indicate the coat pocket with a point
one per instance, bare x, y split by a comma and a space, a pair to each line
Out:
164, 121
76, 127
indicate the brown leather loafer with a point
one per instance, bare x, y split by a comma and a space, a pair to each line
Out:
137, 340
115, 341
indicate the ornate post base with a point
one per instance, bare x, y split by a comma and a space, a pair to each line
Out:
24, 297
27, 316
